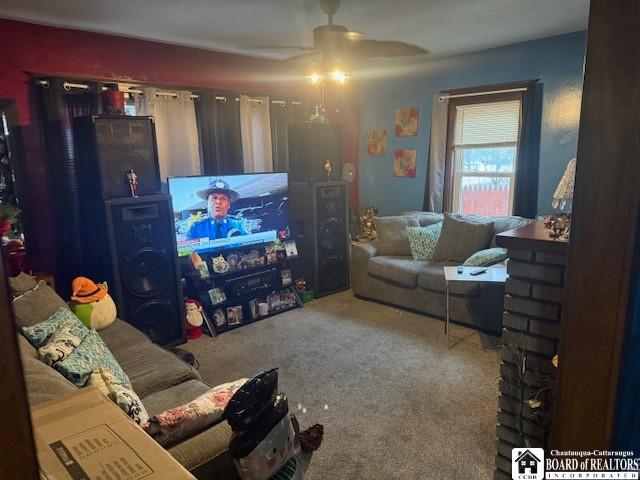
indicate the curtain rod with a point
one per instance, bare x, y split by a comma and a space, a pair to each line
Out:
442, 98
70, 85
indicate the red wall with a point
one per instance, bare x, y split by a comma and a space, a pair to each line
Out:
30, 48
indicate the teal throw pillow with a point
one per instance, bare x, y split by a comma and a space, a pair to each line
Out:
486, 258
423, 240
40, 333
89, 355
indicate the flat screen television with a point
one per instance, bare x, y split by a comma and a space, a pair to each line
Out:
216, 213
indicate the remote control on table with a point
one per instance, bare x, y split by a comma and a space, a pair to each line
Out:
477, 271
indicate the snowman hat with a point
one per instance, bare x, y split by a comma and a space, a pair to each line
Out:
85, 290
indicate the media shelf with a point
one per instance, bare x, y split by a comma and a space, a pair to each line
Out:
243, 290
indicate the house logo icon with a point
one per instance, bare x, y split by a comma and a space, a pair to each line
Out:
527, 464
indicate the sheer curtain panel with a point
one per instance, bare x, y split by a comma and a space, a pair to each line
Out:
256, 134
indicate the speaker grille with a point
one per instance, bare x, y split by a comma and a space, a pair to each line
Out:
156, 319
146, 273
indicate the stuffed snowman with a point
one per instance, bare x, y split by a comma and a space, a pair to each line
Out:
92, 303
266, 443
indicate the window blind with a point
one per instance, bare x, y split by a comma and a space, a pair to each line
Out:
492, 123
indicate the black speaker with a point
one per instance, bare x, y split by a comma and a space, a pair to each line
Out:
108, 147
310, 146
319, 222
137, 256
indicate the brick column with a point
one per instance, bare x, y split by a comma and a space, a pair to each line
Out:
531, 320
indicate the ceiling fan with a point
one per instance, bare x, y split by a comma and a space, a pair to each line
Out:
333, 42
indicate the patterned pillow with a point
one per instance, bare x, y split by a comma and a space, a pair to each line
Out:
124, 397
62, 343
91, 354
486, 258
39, 333
180, 422
423, 240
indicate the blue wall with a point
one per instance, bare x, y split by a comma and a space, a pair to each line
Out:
556, 61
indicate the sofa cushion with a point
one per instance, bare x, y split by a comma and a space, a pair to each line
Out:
21, 284
426, 218
432, 278
36, 305
152, 368
43, 382
392, 234
400, 270
171, 397
121, 335
26, 349
502, 223
423, 240
461, 238
209, 446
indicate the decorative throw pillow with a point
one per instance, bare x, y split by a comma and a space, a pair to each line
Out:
91, 354
392, 234
423, 240
124, 397
460, 238
486, 258
40, 333
180, 422
62, 343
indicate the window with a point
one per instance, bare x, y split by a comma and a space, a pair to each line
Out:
482, 154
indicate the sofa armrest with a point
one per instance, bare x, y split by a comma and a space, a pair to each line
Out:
361, 253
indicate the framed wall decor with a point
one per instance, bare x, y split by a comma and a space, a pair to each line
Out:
407, 121
404, 163
377, 143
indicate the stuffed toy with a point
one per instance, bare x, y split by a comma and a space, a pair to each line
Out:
266, 443
92, 303
194, 318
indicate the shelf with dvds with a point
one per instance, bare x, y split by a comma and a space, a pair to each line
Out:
242, 291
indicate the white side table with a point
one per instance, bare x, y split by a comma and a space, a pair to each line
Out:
494, 274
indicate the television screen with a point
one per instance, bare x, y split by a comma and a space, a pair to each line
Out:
226, 212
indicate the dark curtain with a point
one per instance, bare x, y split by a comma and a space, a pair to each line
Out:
525, 202
219, 134
57, 109
281, 116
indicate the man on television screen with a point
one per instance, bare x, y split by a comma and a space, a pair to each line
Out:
218, 224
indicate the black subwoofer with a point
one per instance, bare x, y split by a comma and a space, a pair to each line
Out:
319, 216
138, 258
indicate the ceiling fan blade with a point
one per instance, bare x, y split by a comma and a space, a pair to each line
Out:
279, 47
385, 48
306, 57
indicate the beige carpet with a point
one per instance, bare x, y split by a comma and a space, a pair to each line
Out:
394, 401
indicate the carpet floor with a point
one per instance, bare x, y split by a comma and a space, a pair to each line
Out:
395, 402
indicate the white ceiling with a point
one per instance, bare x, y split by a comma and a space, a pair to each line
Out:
444, 27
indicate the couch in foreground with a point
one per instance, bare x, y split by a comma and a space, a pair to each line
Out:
161, 379
398, 279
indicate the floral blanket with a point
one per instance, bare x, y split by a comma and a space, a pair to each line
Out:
181, 422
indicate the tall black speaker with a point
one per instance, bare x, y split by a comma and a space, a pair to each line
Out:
310, 146
319, 221
134, 249
108, 146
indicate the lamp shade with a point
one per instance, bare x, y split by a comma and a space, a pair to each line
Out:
564, 190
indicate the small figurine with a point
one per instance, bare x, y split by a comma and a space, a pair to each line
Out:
327, 168
194, 318
220, 265
199, 264
133, 182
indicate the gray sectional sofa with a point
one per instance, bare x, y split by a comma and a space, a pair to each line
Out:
420, 285
161, 379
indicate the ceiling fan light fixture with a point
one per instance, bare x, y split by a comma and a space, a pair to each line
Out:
339, 76
314, 78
